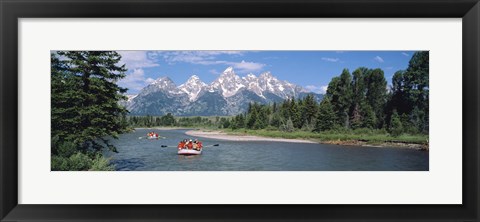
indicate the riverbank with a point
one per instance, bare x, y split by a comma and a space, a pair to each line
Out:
224, 136
409, 142
163, 128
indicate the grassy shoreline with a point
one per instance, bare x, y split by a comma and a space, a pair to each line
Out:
419, 142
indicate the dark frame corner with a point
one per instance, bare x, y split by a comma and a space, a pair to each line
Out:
11, 11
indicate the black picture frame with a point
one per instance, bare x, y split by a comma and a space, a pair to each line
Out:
11, 11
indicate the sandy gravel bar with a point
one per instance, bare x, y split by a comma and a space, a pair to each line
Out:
163, 128
223, 136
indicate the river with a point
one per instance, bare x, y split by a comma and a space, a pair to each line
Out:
140, 154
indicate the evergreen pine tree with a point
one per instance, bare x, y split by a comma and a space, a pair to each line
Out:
369, 118
262, 119
65, 100
309, 109
340, 92
295, 114
96, 74
276, 120
252, 117
358, 96
376, 94
326, 116
240, 121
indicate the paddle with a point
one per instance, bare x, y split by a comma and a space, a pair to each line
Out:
202, 147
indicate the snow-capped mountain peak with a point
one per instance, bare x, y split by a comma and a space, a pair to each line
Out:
163, 81
193, 87
228, 83
251, 81
250, 77
193, 78
229, 70
266, 75
161, 84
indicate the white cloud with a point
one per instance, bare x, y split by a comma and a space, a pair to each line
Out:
153, 55
212, 53
405, 54
210, 58
196, 57
135, 80
186, 56
317, 89
246, 66
330, 59
149, 80
378, 59
138, 59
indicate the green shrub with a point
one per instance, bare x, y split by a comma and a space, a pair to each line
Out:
59, 163
396, 128
288, 126
66, 149
81, 162
101, 163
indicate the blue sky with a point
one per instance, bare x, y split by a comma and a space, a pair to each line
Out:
310, 69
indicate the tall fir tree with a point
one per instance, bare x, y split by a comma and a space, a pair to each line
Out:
326, 116
376, 94
340, 91
417, 88
369, 119
65, 100
410, 93
295, 113
252, 117
96, 74
309, 109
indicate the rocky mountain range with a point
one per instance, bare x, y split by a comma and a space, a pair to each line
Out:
229, 94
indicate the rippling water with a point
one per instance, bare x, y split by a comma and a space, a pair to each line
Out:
148, 155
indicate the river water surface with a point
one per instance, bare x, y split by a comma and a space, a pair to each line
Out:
148, 155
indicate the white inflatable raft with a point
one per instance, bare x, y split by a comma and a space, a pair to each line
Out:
189, 152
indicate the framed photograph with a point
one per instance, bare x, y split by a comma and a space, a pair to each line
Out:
225, 110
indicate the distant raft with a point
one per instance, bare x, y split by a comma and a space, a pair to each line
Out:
153, 137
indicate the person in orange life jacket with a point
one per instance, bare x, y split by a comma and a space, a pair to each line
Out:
190, 145
181, 145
